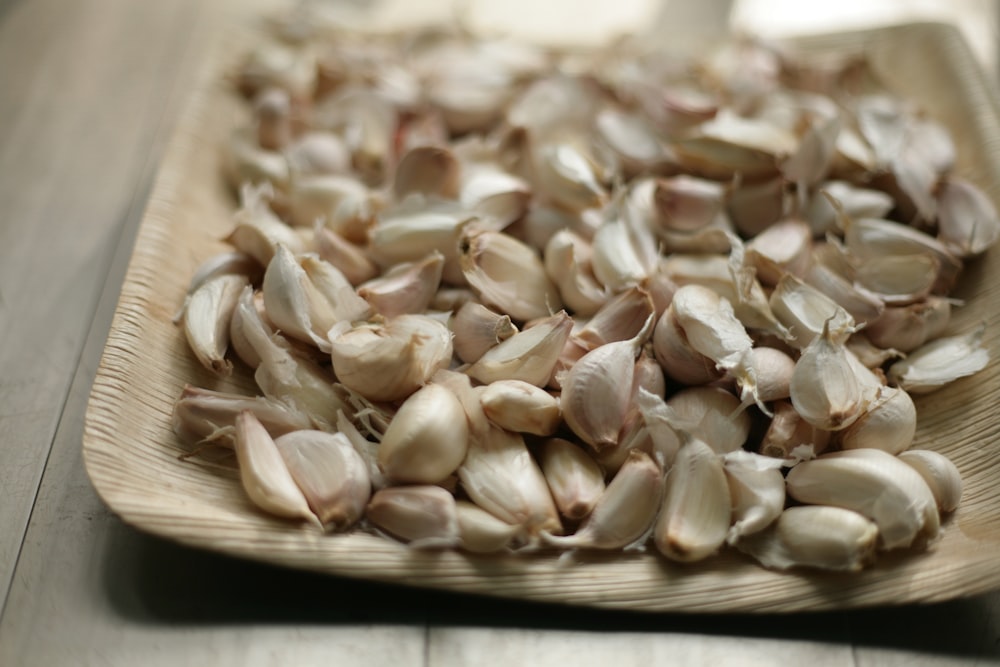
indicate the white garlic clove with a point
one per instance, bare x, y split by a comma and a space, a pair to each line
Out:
624, 254
899, 279
258, 231
518, 406
625, 511
508, 274
388, 362
757, 491
208, 312
405, 288
857, 202
367, 121
860, 303
366, 449
203, 415
888, 423
814, 536
493, 193
906, 328
423, 515
248, 314
428, 170
696, 513
687, 204
941, 476
348, 258
476, 329
873, 483
782, 248
427, 438
825, 388
774, 371
968, 223
529, 355
788, 431
343, 203
805, 311
263, 472
754, 207
939, 362
318, 152
712, 415
567, 263
482, 533
247, 162
631, 138
676, 354
567, 174
730, 144
621, 317
331, 475
573, 476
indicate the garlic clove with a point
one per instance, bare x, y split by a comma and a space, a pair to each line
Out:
814, 536
939, 473
730, 144
754, 207
805, 311
860, 303
899, 279
331, 475
788, 431
687, 204
873, 483
939, 362
493, 193
343, 203
518, 406
349, 258
317, 152
774, 371
624, 253
508, 274
782, 248
366, 449
621, 317
429, 170
248, 162
857, 202
674, 351
696, 513
906, 328
203, 415
529, 355
424, 516
968, 223
258, 231
567, 174
757, 491
476, 329
206, 320
567, 263
248, 314
405, 288
825, 388
388, 362
888, 423
625, 511
367, 121
712, 415
263, 473
573, 476
631, 138
482, 533
427, 438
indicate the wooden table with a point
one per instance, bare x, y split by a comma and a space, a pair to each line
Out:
90, 91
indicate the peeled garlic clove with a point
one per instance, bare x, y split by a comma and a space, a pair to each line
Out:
567, 263
424, 516
263, 473
508, 274
968, 223
427, 438
625, 511
596, 390
518, 406
782, 248
476, 329
388, 362
480, 532
574, 477
620, 318
757, 491
696, 513
350, 259
888, 423
207, 315
203, 415
805, 311
825, 388
816, 151
529, 355
940, 474
941, 361
873, 483
429, 170
405, 288
678, 357
331, 475
712, 415
258, 231
814, 536
567, 175
788, 431
500, 476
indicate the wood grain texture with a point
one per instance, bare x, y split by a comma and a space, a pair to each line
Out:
132, 456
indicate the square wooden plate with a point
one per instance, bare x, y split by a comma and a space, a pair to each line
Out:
131, 453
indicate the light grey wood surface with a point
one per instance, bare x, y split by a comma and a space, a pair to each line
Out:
90, 91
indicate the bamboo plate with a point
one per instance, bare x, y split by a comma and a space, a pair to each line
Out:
131, 454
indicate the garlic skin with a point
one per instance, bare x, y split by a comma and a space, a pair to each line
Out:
476, 329
332, 476
825, 389
388, 362
624, 512
427, 438
694, 520
888, 423
508, 274
757, 491
522, 407
873, 483
263, 473
203, 415
482, 533
247, 324
573, 476
939, 362
596, 390
814, 536
939, 473
529, 355
207, 315
423, 515
366, 449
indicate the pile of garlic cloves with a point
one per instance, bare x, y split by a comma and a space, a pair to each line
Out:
502, 298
